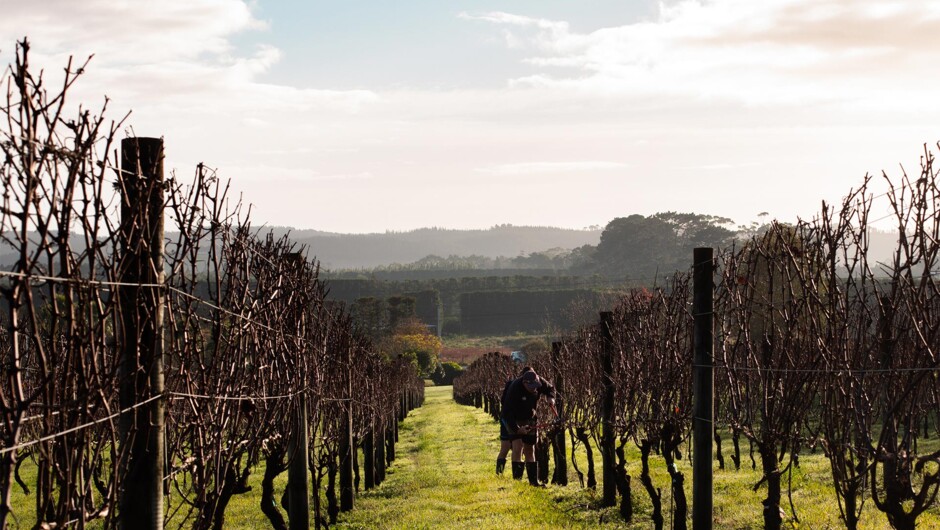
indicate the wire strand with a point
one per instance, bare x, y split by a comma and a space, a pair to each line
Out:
79, 427
836, 371
79, 281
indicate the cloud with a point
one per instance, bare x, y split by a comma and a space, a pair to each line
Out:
177, 54
529, 168
720, 166
758, 53
834, 26
818, 91
131, 32
281, 174
549, 30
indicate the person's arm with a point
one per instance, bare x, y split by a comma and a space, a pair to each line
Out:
547, 389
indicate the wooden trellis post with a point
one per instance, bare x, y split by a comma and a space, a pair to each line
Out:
378, 446
703, 287
368, 459
607, 409
140, 323
346, 446
298, 477
560, 475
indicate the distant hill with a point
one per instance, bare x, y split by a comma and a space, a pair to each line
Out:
365, 251
354, 251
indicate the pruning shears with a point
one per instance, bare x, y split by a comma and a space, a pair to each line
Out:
558, 421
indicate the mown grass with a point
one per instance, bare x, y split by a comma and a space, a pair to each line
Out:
443, 477
243, 512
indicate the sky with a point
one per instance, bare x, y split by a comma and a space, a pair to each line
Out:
366, 116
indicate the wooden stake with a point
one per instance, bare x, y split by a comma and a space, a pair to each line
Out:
141, 331
703, 287
607, 410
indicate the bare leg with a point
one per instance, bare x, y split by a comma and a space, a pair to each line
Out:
504, 447
517, 450
529, 452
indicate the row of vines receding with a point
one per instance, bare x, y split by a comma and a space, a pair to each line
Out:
818, 348
250, 340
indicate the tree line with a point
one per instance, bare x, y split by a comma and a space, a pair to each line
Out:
633, 251
634, 247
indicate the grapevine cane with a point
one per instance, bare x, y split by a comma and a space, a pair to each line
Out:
557, 421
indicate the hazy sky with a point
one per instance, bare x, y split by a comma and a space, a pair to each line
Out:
358, 116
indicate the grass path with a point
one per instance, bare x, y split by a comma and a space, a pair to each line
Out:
443, 477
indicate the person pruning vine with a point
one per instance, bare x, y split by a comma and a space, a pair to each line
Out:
518, 416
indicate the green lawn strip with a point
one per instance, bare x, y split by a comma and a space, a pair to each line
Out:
444, 477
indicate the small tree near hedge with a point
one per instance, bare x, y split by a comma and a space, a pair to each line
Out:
446, 373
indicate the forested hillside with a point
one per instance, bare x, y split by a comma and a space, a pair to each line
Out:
473, 296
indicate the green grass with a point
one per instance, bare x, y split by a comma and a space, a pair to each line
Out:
444, 477
243, 512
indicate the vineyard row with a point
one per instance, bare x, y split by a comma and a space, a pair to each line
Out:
815, 348
142, 380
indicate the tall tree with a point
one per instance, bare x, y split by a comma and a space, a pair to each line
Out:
648, 248
636, 247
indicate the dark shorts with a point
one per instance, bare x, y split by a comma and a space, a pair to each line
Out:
504, 434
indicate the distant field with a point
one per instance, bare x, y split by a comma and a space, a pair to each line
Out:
467, 355
464, 350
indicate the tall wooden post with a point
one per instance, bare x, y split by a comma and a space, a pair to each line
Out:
607, 409
368, 458
390, 444
378, 445
346, 446
560, 475
141, 333
703, 287
298, 477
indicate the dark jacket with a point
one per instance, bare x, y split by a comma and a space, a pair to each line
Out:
518, 406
